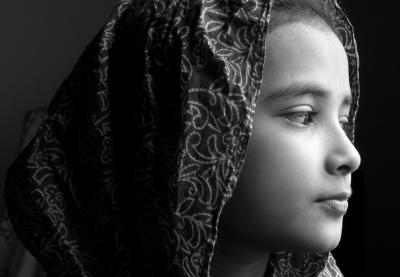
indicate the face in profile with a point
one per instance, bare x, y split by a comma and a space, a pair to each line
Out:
298, 154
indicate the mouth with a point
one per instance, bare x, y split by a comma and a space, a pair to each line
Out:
336, 204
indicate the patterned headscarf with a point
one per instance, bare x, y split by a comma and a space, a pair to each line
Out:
144, 142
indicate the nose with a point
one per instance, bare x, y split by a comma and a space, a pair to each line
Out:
343, 158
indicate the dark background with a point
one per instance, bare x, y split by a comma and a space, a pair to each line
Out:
41, 41
370, 244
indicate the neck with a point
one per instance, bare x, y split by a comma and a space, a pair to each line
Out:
233, 259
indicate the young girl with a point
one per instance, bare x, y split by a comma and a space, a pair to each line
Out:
177, 108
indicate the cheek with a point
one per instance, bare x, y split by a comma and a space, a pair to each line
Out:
280, 177
282, 159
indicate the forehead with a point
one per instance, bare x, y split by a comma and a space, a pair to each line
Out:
299, 53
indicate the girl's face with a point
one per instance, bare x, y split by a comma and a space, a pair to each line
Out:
298, 153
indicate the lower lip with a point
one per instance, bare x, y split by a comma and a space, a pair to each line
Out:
336, 207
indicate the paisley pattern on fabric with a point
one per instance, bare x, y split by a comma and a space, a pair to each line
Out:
143, 143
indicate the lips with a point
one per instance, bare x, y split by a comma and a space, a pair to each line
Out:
336, 204
342, 196
338, 207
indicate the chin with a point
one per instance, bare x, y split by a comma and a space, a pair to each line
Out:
324, 246
315, 245
324, 239
315, 239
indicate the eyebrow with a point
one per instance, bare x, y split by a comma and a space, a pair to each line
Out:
297, 90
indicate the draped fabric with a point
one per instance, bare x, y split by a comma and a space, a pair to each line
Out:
15, 260
143, 143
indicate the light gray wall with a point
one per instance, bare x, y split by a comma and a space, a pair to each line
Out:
40, 41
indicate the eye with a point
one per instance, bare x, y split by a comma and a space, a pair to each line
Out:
303, 118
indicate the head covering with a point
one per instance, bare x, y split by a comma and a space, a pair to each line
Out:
143, 143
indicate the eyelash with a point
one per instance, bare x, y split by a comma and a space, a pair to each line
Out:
309, 115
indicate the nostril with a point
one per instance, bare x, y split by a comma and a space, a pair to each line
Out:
344, 168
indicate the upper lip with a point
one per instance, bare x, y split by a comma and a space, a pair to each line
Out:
344, 195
